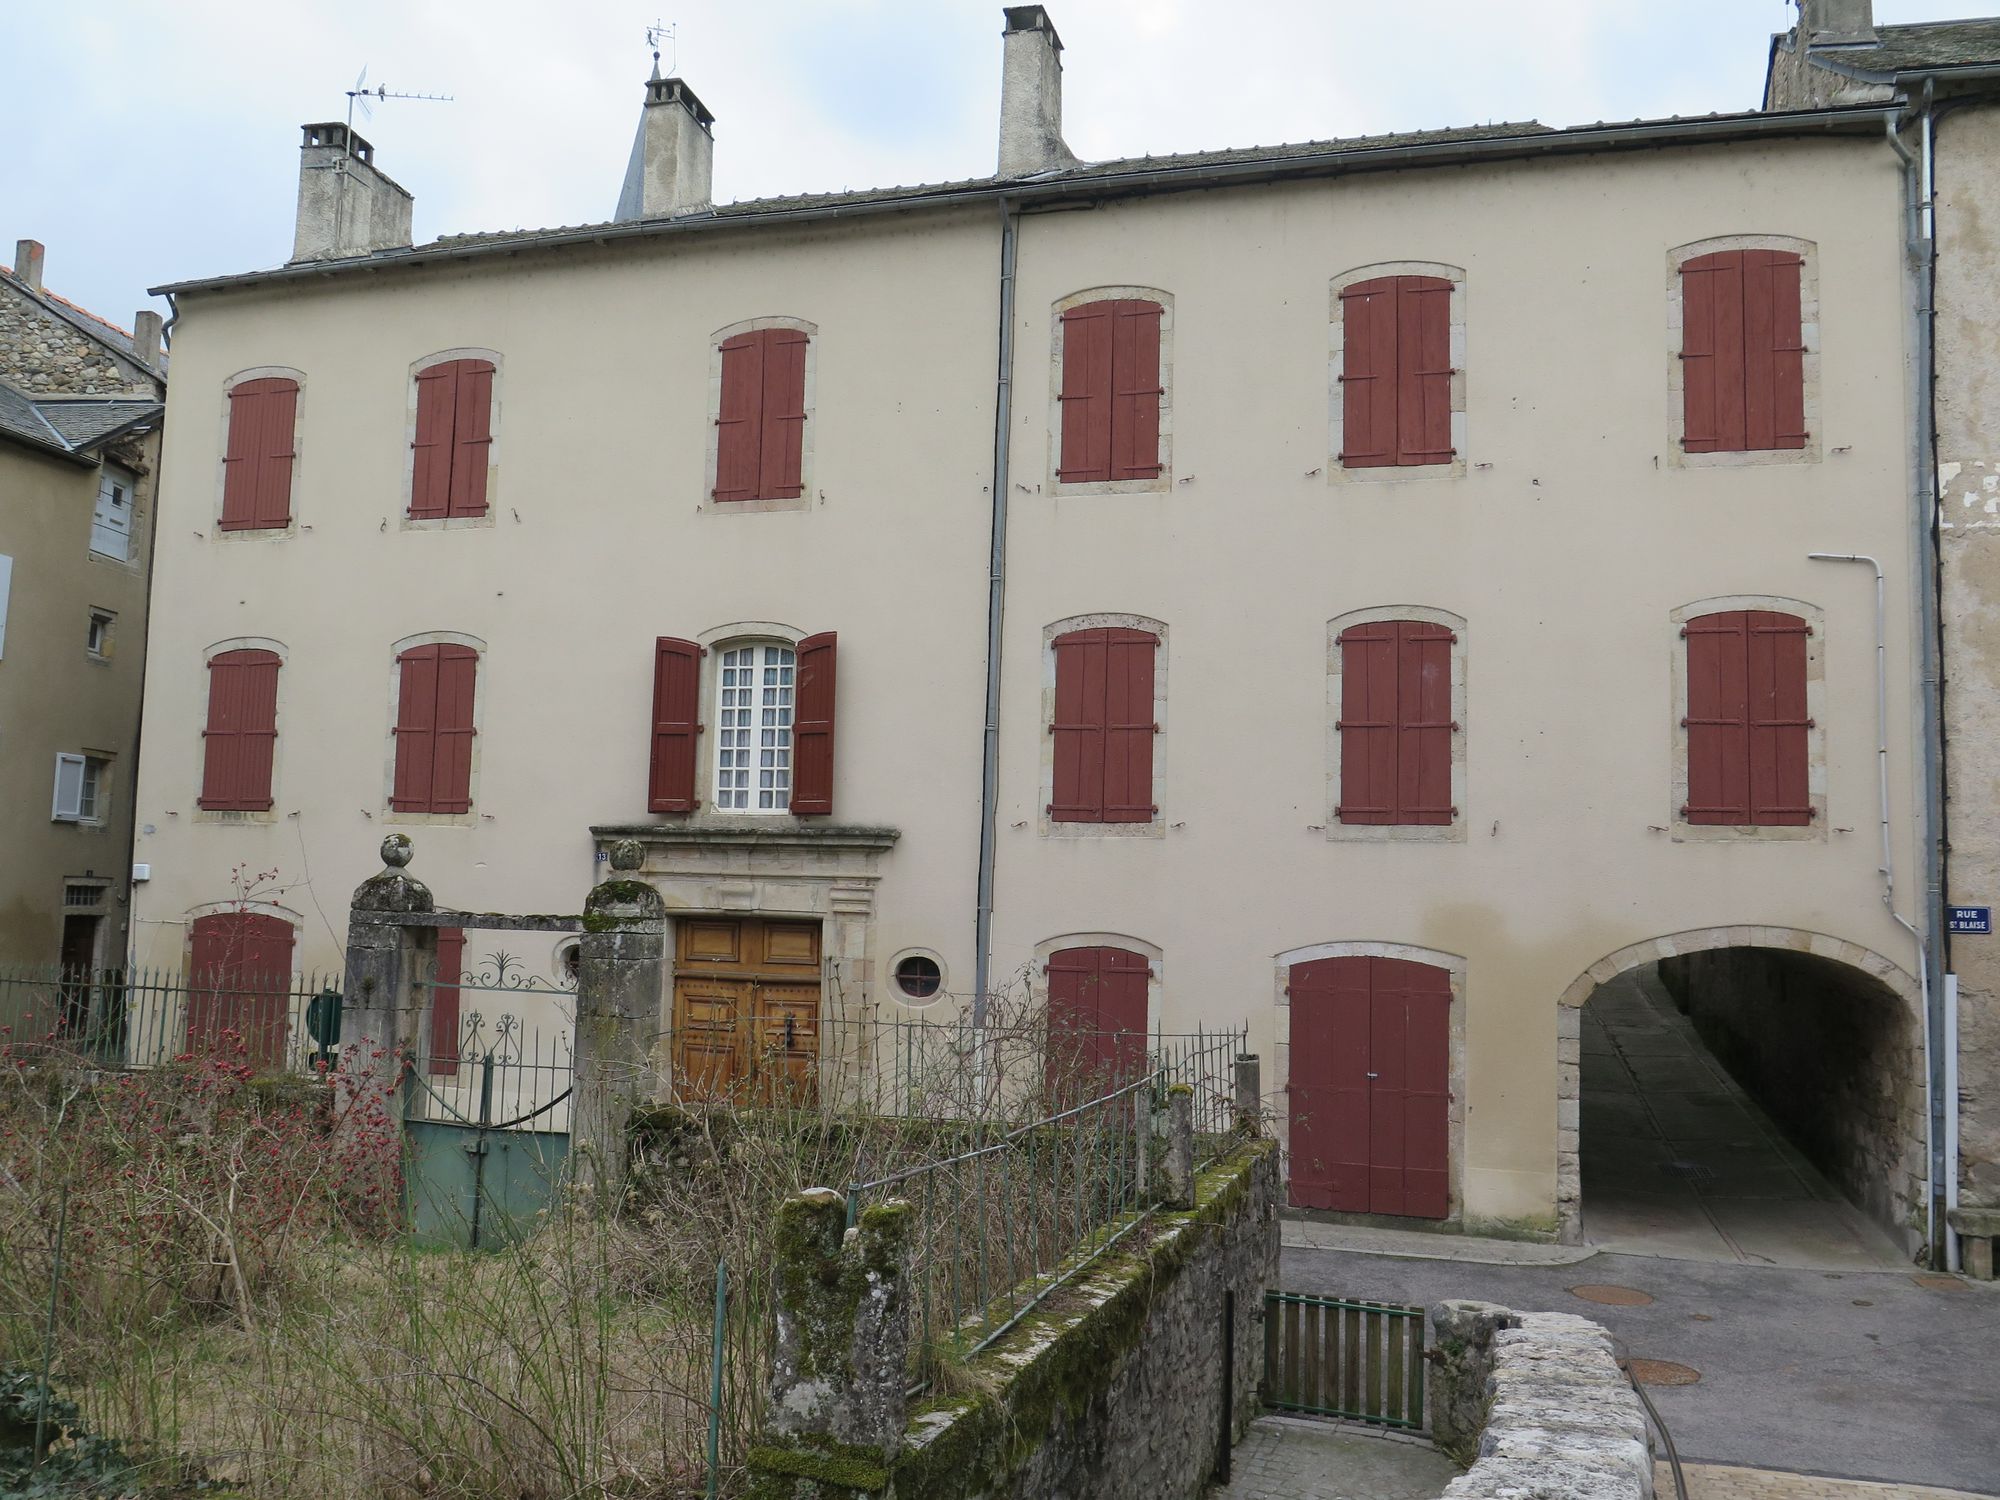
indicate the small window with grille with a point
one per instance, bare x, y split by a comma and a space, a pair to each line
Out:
82, 896
754, 702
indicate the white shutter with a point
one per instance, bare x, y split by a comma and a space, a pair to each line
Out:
111, 523
69, 789
6, 583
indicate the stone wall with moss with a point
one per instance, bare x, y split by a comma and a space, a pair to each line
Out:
1114, 1390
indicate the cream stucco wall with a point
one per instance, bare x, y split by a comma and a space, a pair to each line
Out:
1566, 546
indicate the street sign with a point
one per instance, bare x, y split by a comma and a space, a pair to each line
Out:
1969, 918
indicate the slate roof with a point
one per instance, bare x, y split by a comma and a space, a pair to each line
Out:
1920, 48
70, 425
1347, 154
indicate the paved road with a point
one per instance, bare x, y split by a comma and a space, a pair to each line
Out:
1794, 1375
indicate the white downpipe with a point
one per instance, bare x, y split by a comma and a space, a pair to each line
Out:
1887, 868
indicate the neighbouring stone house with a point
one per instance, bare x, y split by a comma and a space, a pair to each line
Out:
1943, 80
81, 403
1372, 604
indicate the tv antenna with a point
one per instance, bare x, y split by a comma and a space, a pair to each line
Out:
366, 98
659, 32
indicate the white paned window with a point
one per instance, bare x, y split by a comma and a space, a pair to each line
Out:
98, 641
6, 585
111, 523
68, 807
753, 766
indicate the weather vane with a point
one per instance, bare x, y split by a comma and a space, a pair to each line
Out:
659, 32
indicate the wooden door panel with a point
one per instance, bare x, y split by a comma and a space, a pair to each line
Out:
791, 943
711, 942
785, 1043
708, 1035
1329, 1084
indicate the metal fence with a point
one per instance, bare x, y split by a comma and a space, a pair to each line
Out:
1333, 1358
1022, 1211
140, 1017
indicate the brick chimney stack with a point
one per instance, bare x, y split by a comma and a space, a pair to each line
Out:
28, 256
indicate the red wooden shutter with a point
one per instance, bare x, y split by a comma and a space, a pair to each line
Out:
812, 728
1087, 394
445, 1000
1423, 370
1136, 389
1079, 728
1130, 658
431, 448
1423, 724
257, 461
739, 422
1779, 793
676, 704
242, 731
471, 437
1368, 726
451, 777
1328, 1092
1743, 355
416, 729
1097, 1021
1718, 718
782, 439
241, 976
1369, 377
1409, 1089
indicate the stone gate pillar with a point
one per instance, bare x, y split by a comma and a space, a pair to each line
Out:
378, 1025
621, 969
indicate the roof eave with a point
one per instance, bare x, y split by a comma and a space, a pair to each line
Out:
1863, 120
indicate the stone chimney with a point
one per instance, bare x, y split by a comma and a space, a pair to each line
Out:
28, 255
1838, 23
346, 207
146, 337
1031, 95
673, 155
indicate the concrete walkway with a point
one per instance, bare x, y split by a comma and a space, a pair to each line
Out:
1293, 1458
1678, 1161
1873, 1375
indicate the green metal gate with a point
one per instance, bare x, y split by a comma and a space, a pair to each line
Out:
1334, 1358
486, 1113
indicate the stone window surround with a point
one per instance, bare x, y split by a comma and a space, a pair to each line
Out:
1809, 334
469, 818
1164, 481
1569, 1026
1281, 1073
829, 873
1815, 830
708, 504
407, 522
1336, 427
291, 527
1047, 826
1453, 832
1155, 956
244, 643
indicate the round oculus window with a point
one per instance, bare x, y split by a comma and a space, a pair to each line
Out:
918, 976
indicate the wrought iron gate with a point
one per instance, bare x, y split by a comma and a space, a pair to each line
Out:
1333, 1358
486, 1105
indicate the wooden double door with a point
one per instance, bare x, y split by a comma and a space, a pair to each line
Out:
1370, 1096
746, 1009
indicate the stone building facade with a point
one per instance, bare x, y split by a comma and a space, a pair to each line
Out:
1944, 80
556, 649
81, 404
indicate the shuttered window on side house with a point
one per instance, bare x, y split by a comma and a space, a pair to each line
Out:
1396, 372
1748, 755
241, 735
1742, 352
1111, 390
1103, 727
761, 417
434, 729
257, 462
1395, 725
453, 445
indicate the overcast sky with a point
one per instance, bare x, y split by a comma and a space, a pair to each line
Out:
146, 141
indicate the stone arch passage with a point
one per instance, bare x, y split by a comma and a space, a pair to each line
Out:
1749, 1093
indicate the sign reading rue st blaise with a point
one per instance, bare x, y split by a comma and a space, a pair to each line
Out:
1969, 918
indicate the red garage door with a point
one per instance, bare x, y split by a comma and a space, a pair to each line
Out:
1370, 1092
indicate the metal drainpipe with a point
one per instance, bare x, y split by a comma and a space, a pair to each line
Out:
1920, 178
996, 599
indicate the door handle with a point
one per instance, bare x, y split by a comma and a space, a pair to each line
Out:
1374, 1075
